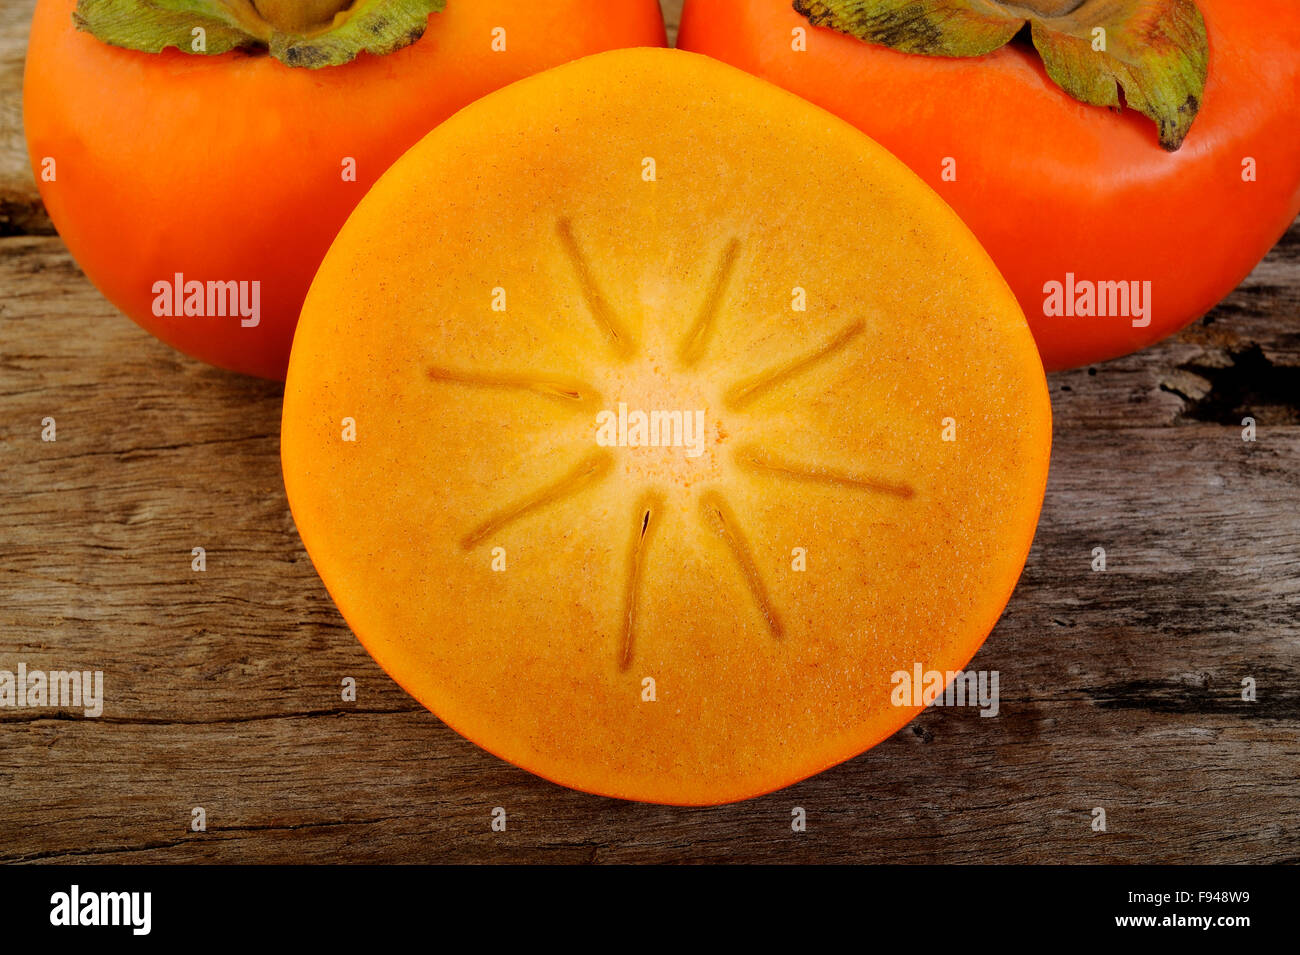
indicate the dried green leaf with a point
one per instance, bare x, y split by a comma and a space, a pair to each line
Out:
154, 25
933, 28
1154, 52
378, 27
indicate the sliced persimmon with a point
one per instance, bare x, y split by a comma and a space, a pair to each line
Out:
842, 482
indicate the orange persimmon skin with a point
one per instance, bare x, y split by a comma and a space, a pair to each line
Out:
231, 167
1052, 186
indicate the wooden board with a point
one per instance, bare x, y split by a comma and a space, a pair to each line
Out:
21, 212
1119, 689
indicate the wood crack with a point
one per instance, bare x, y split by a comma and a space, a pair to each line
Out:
70, 715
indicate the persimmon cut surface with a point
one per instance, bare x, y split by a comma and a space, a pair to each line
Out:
708, 609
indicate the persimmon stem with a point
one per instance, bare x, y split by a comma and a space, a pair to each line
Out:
1042, 8
303, 17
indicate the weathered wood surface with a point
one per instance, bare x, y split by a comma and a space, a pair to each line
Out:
1119, 689
21, 212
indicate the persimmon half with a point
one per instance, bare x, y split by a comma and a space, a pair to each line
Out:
200, 192
1110, 241
646, 422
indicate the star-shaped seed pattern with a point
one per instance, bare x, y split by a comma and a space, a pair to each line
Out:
595, 466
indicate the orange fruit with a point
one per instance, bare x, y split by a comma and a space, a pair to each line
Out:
235, 171
1056, 190
645, 421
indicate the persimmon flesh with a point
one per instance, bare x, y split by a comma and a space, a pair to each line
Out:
645, 421
237, 168
1063, 194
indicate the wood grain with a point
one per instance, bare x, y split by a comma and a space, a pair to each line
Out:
1119, 689
21, 212
672, 17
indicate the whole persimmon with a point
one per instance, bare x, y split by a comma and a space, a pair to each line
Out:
1125, 162
199, 156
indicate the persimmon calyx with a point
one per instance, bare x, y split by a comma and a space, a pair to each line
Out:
306, 33
1154, 51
